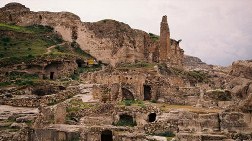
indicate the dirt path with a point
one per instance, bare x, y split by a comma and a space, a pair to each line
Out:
49, 49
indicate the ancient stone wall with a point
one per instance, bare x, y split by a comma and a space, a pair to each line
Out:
34, 101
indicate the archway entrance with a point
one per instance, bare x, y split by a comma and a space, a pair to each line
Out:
127, 95
51, 75
147, 92
152, 117
106, 135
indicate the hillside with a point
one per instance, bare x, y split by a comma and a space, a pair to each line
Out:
62, 79
26, 51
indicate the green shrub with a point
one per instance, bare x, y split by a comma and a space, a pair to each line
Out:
3, 84
125, 120
60, 48
154, 37
128, 102
5, 39
75, 76
133, 102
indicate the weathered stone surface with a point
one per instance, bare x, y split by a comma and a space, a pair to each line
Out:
240, 87
194, 63
218, 95
60, 114
242, 68
233, 121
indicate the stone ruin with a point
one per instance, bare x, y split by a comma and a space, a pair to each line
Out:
132, 103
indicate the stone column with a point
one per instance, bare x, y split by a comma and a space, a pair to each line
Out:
165, 45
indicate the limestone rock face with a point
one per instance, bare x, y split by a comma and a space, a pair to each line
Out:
192, 62
240, 87
114, 42
242, 69
109, 41
233, 121
218, 95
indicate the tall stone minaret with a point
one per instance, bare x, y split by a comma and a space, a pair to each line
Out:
165, 45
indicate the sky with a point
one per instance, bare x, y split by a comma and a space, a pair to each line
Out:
217, 31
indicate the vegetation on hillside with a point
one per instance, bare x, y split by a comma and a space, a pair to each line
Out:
25, 42
126, 66
154, 37
192, 76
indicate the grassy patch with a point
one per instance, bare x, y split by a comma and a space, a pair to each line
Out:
15, 28
20, 79
125, 120
154, 37
133, 103
20, 42
76, 105
167, 108
79, 51
27, 29
197, 76
135, 65
192, 76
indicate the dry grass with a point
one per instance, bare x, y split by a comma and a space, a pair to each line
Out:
167, 108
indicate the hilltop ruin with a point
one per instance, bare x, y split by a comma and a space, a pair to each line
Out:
108, 41
62, 79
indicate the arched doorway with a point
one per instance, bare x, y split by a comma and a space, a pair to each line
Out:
127, 95
106, 135
152, 117
147, 92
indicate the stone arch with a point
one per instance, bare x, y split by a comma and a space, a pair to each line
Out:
106, 135
152, 117
147, 92
127, 94
52, 69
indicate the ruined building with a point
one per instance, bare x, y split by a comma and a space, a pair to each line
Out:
169, 51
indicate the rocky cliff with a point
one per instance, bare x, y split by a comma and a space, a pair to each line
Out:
242, 68
109, 41
191, 62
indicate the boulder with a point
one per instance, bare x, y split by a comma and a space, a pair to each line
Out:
242, 68
240, 87
218, 95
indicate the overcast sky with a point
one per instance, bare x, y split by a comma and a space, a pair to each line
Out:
217, 31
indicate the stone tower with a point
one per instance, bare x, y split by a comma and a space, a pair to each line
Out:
165, 45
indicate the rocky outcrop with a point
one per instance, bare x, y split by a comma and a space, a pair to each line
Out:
109, 41
242, 68
191, 62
